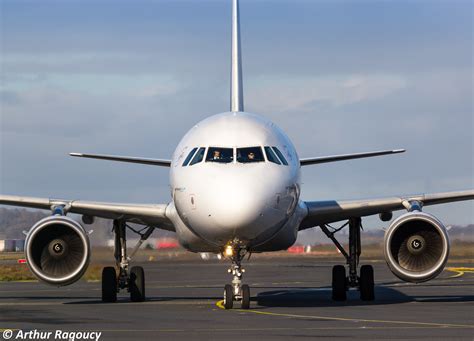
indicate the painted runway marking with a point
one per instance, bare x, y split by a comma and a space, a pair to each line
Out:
215, 330
220, 304
119, 302
460, 271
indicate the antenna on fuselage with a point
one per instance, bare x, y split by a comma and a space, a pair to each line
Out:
236, 86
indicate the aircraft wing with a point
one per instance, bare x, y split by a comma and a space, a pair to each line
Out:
145, 161
344, 157
154, 215
325, 212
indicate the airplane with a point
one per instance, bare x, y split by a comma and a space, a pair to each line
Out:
235, 190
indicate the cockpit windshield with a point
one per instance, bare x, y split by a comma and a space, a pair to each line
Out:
189, 157
198, 157
220, 155
243, 155
251, 154
280, 155
271, 156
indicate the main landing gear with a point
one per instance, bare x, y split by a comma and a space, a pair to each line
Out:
340, 283
133, 280
236, 291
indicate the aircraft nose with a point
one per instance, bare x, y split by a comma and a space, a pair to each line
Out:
239, 207
244, 205
236, 205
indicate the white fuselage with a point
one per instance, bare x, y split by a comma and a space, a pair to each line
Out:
248, 202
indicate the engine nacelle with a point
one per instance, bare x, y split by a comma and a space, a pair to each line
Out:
416, 247
57, 250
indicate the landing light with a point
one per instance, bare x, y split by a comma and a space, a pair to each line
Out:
229, 251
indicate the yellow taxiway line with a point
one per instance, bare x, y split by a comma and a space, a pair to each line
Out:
215, 330
459, 271
220, 304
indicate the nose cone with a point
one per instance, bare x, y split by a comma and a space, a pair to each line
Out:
235, 207
243, 209
242, 203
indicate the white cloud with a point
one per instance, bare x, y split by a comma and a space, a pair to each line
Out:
96, 84
298, 93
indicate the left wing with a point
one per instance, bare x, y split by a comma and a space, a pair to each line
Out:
343, 157
154, 215
324, 212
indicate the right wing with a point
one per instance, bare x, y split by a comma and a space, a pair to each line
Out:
326, 212
153, 215
145, 161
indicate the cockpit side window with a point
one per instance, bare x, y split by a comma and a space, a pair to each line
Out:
280, 155
198, 157
220, 155
251, 154
189, 157
271, 156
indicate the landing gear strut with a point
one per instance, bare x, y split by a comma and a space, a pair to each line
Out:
341, 283
237, 291
133, 280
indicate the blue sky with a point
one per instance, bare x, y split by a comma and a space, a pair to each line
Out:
131, 77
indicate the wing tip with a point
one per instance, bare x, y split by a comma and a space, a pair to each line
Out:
76, 154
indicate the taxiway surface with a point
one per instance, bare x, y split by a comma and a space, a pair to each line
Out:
291, 299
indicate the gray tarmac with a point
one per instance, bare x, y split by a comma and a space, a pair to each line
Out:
291, 299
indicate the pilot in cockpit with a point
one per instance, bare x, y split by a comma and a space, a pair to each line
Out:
217, 155
251, 156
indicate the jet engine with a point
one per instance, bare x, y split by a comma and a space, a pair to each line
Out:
57, 250
416, 247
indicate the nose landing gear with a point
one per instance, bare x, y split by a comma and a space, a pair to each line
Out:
236, 291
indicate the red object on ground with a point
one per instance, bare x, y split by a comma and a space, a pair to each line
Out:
167, 243
296, 249
22, 261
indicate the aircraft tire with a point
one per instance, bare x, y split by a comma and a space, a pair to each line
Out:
137, 284
366, 283
109, 284
228, 296
339, 283
245, 296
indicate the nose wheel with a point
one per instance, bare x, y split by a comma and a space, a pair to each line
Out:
230, 297
236, 291
245, 296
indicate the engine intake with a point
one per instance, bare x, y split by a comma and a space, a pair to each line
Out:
416, 247
57, 250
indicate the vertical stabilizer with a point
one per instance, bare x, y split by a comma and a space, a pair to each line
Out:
236, 86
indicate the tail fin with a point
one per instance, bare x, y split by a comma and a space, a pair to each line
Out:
237, 91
